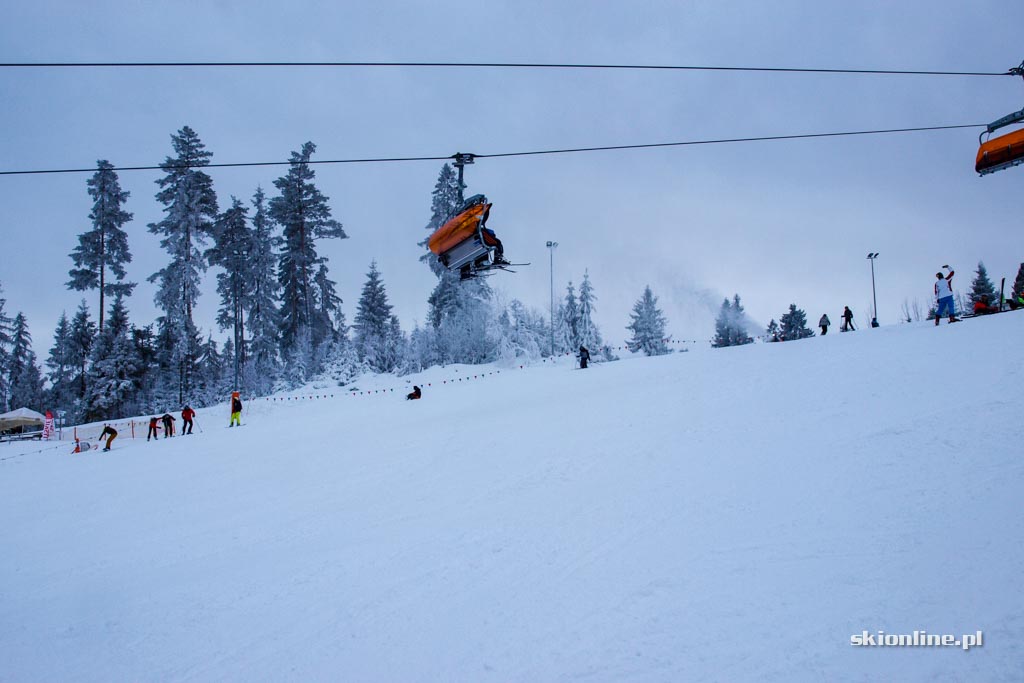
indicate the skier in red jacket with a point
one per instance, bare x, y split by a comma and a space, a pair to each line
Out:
186, 420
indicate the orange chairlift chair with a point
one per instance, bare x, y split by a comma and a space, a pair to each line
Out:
1004, 151
463, 243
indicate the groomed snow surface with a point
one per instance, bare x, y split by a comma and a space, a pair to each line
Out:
733, 514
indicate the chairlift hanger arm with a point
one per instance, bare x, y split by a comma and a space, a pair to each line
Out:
1007, 120
1016, 116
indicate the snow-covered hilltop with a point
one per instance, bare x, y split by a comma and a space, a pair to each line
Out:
731, 514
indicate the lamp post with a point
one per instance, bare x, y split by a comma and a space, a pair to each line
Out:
551, 246
874, 298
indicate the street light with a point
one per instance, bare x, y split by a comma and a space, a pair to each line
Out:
551, 245
874, 318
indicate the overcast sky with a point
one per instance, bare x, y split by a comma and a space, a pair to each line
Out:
776, 222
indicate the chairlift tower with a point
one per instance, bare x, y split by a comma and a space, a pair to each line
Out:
462, 159
874, 316
551, 246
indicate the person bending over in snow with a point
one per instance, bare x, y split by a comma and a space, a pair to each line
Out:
153, 428
168, 421
110, 433
415, 394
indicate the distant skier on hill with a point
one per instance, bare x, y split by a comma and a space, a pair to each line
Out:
236, 409
584, 357
823, 323
847, 320
944, 296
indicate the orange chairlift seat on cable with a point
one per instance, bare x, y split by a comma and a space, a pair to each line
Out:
464, 243
1001, 152
461, 227
1007, 150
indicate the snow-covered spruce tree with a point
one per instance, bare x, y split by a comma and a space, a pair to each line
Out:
375, 326
459, 312
982, 289
419, 352
520, 333
730, 326
723, 326
215, 373
5, 354
648, 326
772, 332
571, 319
233, 243
62, 367
102, 252
115, 372
444, 299
589, 334
793, 324
304, 215
190, 208
145, 342
23, 376
446, 200
1018, 283
21, 347
462, 336
83, 336
328, 315
562, 340
262, 312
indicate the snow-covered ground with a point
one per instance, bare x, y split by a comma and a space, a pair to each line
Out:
733, 514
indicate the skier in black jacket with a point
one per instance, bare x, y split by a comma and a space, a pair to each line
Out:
168, 421
110, 433
584, 357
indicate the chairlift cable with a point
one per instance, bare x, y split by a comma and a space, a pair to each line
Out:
496, 65
570, 150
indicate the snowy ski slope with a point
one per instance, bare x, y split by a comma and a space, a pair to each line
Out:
733, 514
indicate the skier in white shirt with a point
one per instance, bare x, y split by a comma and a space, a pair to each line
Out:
944, 296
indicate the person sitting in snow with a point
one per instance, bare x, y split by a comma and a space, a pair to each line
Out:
415, 394
981, 307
